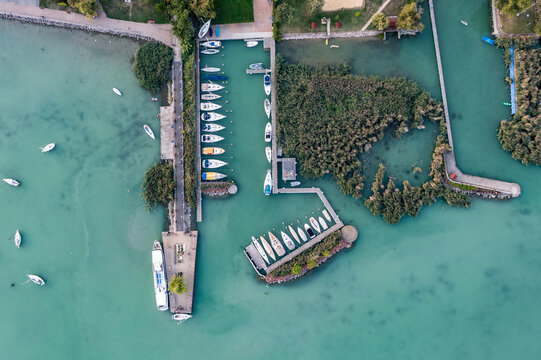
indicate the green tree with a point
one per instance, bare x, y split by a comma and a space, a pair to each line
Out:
182, 27
284, 13
177, 284
375, 201
392, 203
380, 21
296, 269
315, 6
412, 199
513, 7
537, 27
203, 9
85, 7
158, 185
410, 18
152, 64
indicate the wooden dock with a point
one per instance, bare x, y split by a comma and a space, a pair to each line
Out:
274, 162
312, 190
199, 201
257, 71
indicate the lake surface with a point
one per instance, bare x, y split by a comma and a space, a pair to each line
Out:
453, 283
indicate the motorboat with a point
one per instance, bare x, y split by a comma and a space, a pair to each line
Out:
209, 106
212, 176
302, 234
287, 240
210, 96
295, 183
212, 151
204, 29
180, 317
326, 214
154, 99
260, 250
267, 105
18, 238
214, 77
268, 153
315, 224
212, 116
267, 84
211, 87
280, 251
251, 43
267, 247
256, 66
309, 231
464, 22
36, 279
267, 186
210, 51
212, 163
295, 236
11, 182
268, 132
212, 127
116, 91
210, 69
212, 44
322, 223
160, 280
48, 147
211, 138
149, 131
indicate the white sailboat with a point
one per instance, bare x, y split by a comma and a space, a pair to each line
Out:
212, 44
267, 185
18, 238
180, 317
267, 84
295, 183
280, 251
212, 116
204, 29
251, 43
260, 250
211, 138
149, 131
11, 182
268, 132
210, 51
116, 91
36, 279
268, 153
209, 106
287, 240
212, 163
326, 214
267, 105
212, 127
256, 66
210, 96
268, 248
210, 69
160, 281
302, 234
322, 223
315, 224
48, 147
211, 87
295, 236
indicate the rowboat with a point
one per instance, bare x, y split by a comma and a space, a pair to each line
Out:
212, 44
267, 83
211, 87
326, 214
256, 66
212, 116
212, 164
210, 51
48, 147
204, 29
210, 69
209, 106
268, 153
302, 234
36, 279
149, 131
18, 238
210, 96
267, 185
251, 43
211, 138
260, 250
267, 247
295, 183
212, 127
11, 182
180, 317
315, 224
267, 105
212, 176
280, 251
287, 240
117, 91
322, 223
295, 236
213, 151
268, 132
309, 231
215, 77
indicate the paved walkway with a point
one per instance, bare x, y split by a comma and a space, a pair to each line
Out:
167, 132
323, 35
372, 18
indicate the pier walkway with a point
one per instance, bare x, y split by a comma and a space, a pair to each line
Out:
274, 156
167, 133
199, 200
312, 190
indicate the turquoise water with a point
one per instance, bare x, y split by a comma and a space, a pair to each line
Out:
453, 283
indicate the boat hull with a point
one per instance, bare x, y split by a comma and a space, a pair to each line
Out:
287, 240
212, 164
267, 106
302, 234
213, 151
260, 250
275, 243
267, 185
212, 127
48, 147
210, 96
160, 280
268, 132
309, 231
322, 223
268, 248
211, 138
209, 106
295, 236
212, 44
149, 131
326, 214
210, 51
11, 182
18, 239
212, 116
210, 69
315, 224
268, 153
211, 176
267, 84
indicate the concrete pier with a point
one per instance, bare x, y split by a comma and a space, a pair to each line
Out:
199, 198
257, 71
274, 156
167, 133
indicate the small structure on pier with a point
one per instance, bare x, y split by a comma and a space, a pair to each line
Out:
289, 169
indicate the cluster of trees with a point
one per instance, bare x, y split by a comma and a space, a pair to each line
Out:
380, 21
85, 7
158, 185
152, 64
410, 18
177, 284
513, 7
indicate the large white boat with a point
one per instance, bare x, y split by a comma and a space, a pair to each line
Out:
48, 147
212, 116
210, 51
295, 236
322, 223
212, 151
149, 131
212, 44
315, 224
267, 83
268, 153
18, 238
212, 176
280, 251
160, 281
211, 138
209, 106
36, 279
302, 234
11, 182
211, 87
268, 248
267, 106
287, 240
212, 164
260, 250
212, 127
268, 132
204, 29
210, 69
267, 186
210, 96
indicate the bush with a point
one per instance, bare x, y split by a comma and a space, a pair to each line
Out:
410, 18
152, 64
296, 269
513, 7
380, 21
177, 284
85, 7
158, 185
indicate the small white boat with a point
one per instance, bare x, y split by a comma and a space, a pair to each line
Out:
295, 183
251, 43
268, 153
267, 108
267, 185
256, 66
260, 250
36, 279
204, 29
212, 44
464, 22
180, 317
302, 234
211, 87
209, 106
212, 151
322, 223
212, 127
48, 147
267, 83
210, 69
334, 46
287, 240
326, 214
117, 91
11, 182
309, 231
212, 116
315, 224
267, 247
268, 132
212, 164
212, 176
18, 238
149, 131
295, 236
210, 96
210, 51
211, 138
280, 251
160, 280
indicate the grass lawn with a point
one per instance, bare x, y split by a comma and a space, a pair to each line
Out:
141, 10
522, 24
233, 11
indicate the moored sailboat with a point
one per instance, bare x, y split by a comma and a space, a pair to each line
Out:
149, 131
302, 234
212, 44
18, 238
204, 29
287, 240
267, 247
268, 132
295, 236
210, 176
11, 182
212, 163
212, 116
211, 138
326, 214
322, 223
211, 87
260, 250
212, 127
315, 224
36, 279
267, 106
268, 153
210, 51
210, 96
209, 106
280, 251
267, 84
210, 69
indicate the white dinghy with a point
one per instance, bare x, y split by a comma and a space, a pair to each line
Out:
117, 91
210, 69
149, 131
36, 279
48, 147
18, 238
11, 182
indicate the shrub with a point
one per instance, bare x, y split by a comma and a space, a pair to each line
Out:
152, 64
410, 18
380, 21
177, 284
296, 269
158, 185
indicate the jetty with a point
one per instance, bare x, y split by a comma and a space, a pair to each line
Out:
257, 71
